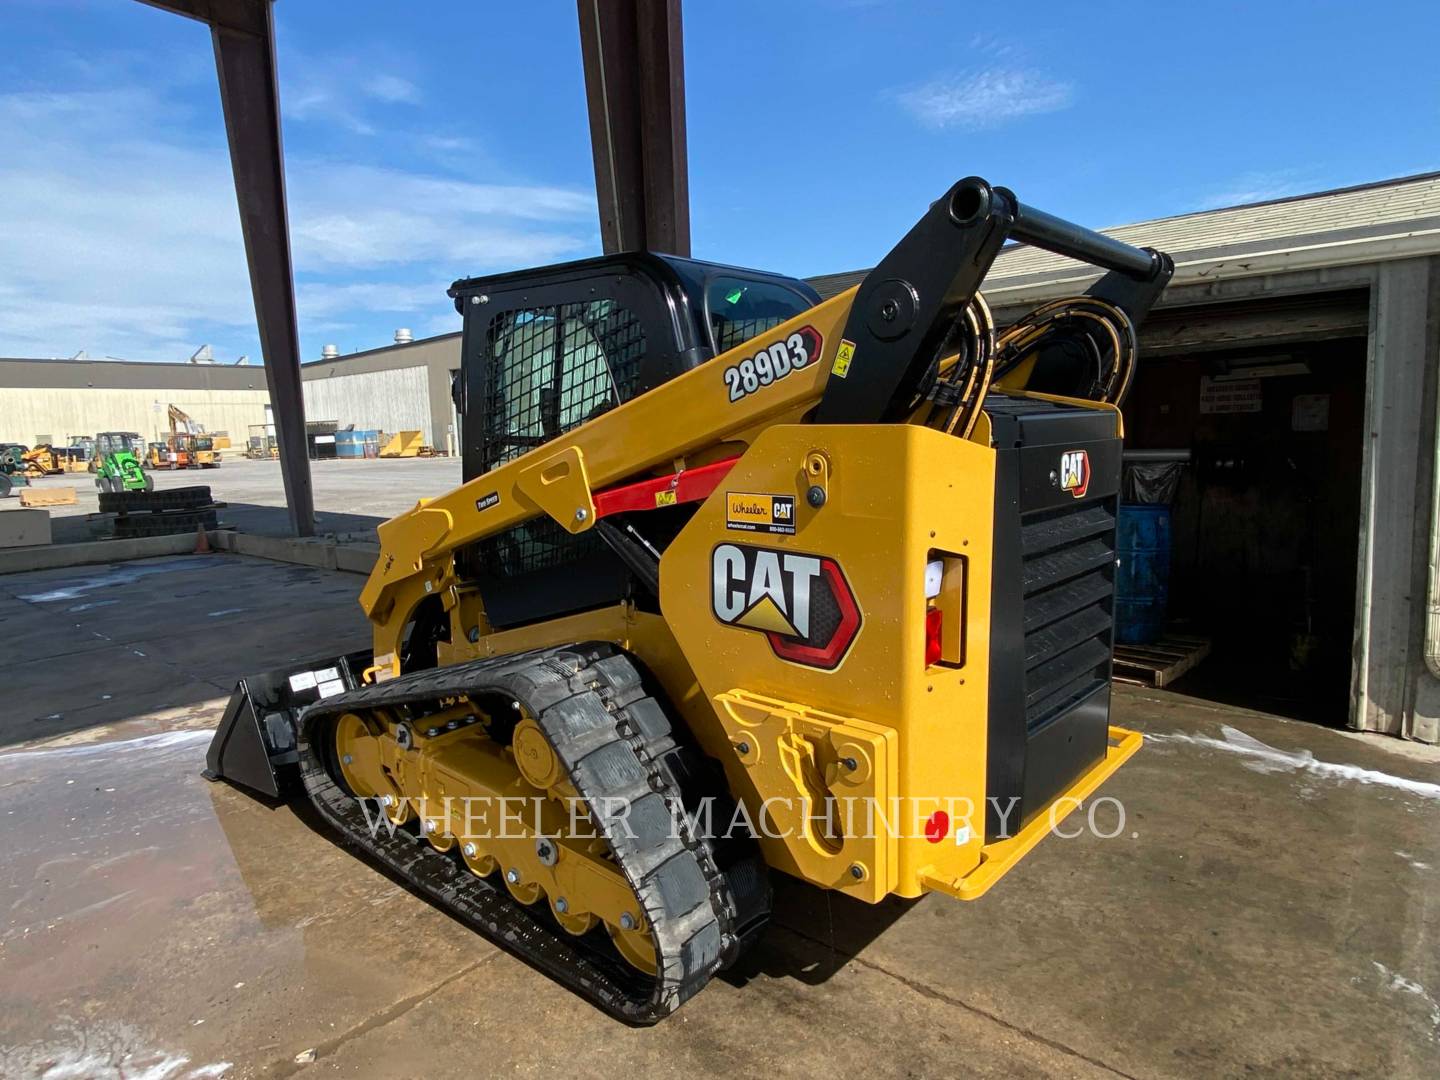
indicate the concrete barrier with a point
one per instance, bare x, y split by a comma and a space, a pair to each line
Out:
325, 553
57, 556
22, 528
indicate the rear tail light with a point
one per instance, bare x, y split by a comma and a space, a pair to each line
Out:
934, 627
945, 610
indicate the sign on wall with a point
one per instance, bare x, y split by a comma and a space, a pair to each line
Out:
1310, 412
1230, 396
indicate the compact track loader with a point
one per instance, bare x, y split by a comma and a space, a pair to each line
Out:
737, 582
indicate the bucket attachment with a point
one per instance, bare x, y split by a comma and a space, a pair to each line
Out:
254, 746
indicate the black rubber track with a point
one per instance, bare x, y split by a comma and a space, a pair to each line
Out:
616, 744
164, 524
185, 498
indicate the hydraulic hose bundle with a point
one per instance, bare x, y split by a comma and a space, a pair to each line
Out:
1102, 334
1102, 331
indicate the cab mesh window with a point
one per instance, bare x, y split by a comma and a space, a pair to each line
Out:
551, 369
740, 310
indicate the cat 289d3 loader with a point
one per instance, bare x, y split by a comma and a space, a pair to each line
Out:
737, 582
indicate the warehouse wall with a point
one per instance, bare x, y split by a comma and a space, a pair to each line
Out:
55, 413
439, 356
392, 400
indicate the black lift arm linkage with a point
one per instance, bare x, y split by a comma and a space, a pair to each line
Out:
906, 307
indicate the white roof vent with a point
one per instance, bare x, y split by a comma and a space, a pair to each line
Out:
203, 355
403, 336
330, 352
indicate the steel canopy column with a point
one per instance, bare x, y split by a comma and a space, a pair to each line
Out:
250, 96
635, 88
243, 32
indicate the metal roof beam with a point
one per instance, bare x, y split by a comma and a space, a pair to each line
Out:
635, 87
243, 33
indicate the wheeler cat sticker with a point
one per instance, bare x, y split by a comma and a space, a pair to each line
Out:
773, 363
1075, 472
749, 512
801, 603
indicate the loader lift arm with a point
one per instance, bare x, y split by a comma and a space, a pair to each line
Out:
902, 313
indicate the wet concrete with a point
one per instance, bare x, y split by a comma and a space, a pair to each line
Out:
99, 644
1266, 907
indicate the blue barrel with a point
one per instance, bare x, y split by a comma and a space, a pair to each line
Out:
350, 444
1142, 580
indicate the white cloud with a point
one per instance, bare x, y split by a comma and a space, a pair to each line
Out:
1256, 187
392, 89
364, 216
119, 232
985, 99
335, 90
322, 301
109, 243
445, 323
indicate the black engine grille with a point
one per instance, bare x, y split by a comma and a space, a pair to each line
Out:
1068, 572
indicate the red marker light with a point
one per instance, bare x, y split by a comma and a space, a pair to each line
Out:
937, 826
934, 622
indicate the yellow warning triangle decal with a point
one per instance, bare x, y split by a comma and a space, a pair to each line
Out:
767, 616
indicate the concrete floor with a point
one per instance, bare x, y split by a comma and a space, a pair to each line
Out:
351, 496
1267, 909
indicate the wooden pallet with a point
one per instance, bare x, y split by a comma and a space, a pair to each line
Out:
33, 496
1160, 663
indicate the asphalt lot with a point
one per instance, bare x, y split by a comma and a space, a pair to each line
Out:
1267, 910
351, 495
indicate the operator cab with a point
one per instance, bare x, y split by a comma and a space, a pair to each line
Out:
545, 350
119, 442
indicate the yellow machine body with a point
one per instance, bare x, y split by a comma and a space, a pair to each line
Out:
823, 587
897, 497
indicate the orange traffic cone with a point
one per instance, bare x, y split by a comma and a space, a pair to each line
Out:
202, 541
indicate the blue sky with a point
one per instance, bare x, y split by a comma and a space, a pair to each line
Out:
436, 140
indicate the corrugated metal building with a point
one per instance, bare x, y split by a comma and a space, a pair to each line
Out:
396, 388
402, 387
50, 400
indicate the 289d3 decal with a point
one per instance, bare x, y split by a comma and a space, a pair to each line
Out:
773, 362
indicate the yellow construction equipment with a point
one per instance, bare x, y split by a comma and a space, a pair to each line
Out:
738, 581
48, 460
403, 444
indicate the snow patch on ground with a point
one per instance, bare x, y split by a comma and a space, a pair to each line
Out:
1398, 984
162, 740
1263, 758
110, 1051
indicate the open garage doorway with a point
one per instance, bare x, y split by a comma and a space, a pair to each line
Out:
1269, 402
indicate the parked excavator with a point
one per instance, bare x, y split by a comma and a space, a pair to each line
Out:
840, 572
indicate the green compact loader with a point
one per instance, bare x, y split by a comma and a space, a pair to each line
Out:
117, 462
